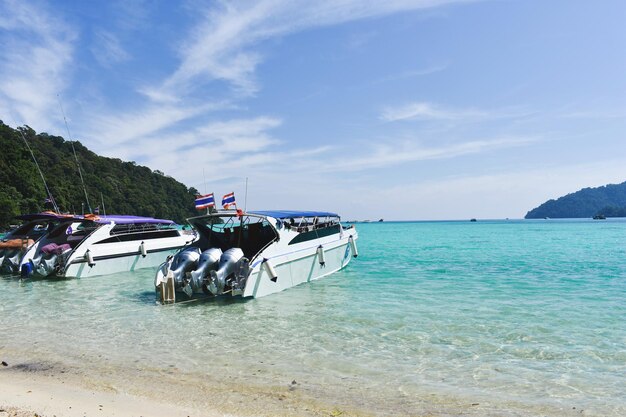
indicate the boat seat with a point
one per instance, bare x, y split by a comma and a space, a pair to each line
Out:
53, 248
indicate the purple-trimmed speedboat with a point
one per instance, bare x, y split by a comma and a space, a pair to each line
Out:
98, 245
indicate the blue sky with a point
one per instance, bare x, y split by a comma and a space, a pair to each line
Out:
424, 109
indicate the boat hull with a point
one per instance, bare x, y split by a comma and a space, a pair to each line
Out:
292, 264
298, 266
116, 263
102, 253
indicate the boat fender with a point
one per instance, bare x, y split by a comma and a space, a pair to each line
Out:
89, 258
320, 255
143, 250
270, 270
355, 251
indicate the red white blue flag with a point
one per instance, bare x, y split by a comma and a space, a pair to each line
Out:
205, 201
229, 200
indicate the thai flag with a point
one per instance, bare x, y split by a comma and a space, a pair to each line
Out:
205, 201
229, 200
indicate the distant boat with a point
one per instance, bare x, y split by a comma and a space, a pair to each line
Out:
381, 220
472, 220
599, 217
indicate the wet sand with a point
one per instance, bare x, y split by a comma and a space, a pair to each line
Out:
46, 390
30, 395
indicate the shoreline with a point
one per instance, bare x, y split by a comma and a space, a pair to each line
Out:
29, 389
27, 395
43, 389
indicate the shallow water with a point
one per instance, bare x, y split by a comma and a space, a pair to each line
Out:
515, 317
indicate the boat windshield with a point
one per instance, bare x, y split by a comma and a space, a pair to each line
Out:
34, 229
248, 232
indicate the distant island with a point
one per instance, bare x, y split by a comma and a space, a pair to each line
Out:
124, 187
605, 201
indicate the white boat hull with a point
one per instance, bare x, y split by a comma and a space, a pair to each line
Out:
117, 263
102, 253
298, 266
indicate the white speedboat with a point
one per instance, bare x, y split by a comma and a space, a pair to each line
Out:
15, 244
93, 245
256, 253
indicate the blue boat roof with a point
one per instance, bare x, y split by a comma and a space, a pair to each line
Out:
286, 214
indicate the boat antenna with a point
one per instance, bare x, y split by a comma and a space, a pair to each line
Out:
245, 202
245, 198
204, 176
52, 200
104, 210
80, 173
208, 209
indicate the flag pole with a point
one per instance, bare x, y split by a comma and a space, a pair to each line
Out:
245, 198
104, 210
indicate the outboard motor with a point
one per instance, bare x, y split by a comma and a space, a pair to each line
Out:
231, 263
50, 259
45, 265
183, 262
208, 261
11, 261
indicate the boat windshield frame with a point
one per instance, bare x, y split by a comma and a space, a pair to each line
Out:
231, 223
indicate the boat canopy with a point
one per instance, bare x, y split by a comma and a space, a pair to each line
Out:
117, 218
124, 219
46, 215
286, 214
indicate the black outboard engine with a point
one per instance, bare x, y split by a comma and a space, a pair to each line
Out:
233, 267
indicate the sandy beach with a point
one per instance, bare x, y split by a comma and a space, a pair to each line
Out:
44, 390
25, 394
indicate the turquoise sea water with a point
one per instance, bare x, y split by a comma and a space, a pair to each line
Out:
502, 318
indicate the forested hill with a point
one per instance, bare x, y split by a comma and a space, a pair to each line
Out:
126, 187
609, 200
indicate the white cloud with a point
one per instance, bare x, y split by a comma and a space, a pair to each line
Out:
497, 195
614, 113
433, 69
130, 127
429, 111
223, 147
107, 48
37, 51
221, 48
409, 151
218, 48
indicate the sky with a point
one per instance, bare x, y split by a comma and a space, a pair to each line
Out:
397, 109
